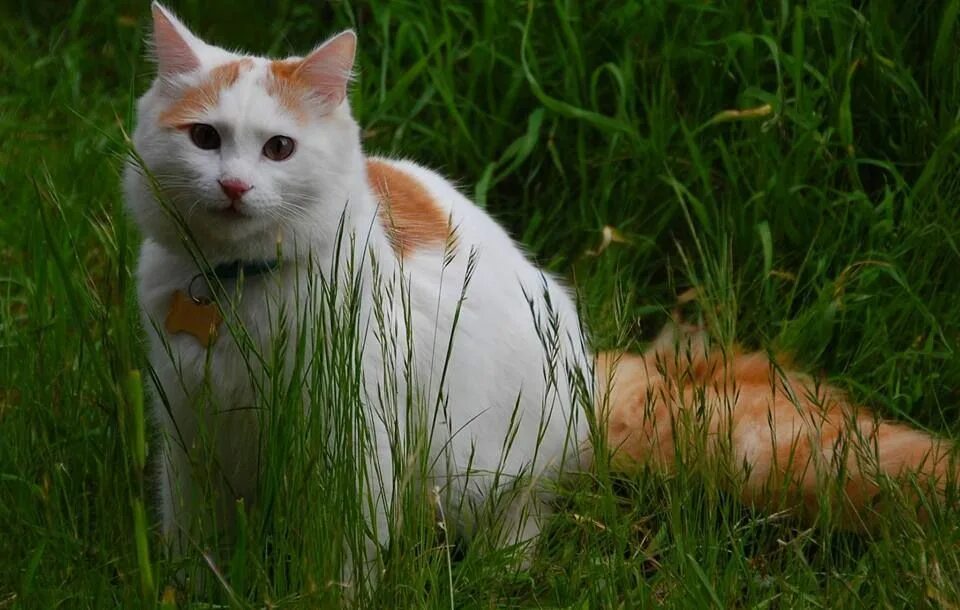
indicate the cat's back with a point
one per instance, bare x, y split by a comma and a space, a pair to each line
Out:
512, 321
445, 240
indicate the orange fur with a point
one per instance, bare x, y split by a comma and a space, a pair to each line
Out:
412, 218
288, 89
785, 441
195, 100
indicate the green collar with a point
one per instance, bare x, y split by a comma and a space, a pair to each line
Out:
233, 270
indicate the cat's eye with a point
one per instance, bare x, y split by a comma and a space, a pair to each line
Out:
204, 136
278, 148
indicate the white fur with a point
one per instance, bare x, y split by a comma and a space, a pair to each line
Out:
498, 359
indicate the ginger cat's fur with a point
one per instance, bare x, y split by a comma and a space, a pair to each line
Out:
784, 441
262, 161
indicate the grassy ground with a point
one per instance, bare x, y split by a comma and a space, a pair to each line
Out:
821, 220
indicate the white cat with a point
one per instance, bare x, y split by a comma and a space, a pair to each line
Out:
262, 161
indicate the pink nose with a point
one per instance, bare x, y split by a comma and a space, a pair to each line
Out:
234, 188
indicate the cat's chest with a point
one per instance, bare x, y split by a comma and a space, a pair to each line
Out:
218, 345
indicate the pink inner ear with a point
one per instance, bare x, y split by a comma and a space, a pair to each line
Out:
173, 50
327, 70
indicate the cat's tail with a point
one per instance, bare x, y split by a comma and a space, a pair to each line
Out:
777, 438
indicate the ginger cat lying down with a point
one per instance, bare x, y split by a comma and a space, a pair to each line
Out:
790, 442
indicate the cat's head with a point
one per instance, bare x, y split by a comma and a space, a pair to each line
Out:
246, 150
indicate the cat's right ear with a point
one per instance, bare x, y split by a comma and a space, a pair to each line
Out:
174, 46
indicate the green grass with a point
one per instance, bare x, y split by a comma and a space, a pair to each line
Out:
826, 225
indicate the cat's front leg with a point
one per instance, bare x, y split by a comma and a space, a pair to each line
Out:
178, 499
522, 523
197, 503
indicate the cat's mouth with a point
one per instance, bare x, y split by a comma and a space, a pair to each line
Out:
234, 211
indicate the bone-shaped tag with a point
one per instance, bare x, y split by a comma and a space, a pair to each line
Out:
198, 318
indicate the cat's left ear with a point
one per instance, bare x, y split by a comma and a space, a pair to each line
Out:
328, 69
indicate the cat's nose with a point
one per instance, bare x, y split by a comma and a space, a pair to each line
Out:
234, 188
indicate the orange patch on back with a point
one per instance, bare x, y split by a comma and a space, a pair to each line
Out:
195, 100
288, 89
411, 216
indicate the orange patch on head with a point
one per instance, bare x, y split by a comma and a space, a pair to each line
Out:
411, 216
195, 100
289, 90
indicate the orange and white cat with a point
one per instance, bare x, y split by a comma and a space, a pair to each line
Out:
261, 162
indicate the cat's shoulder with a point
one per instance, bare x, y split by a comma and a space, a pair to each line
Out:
423, 207
383, 171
